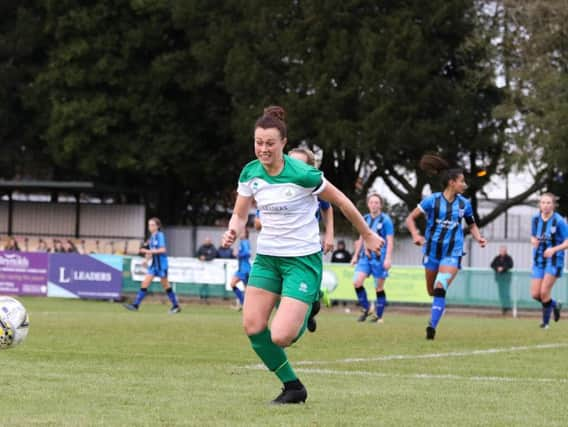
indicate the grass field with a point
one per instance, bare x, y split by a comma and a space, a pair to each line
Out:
94, 363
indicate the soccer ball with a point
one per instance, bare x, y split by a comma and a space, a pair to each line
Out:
14, 322
329, 281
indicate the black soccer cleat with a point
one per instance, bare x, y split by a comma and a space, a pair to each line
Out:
130, 307
291, 396
430, 333
556, 311
543, 326
363, 316
312, 324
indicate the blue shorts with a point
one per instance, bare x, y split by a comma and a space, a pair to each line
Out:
372, 267
539, 272
434, 264
153, 271
242, 275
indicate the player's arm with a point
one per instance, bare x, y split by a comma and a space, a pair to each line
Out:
356, 251
238, 220
562, 233
327, 218
411, 225
373, 242
388, 257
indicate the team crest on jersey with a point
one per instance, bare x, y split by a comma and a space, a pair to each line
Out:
288, 192
552, 230
379, 226
255, 185
461, 212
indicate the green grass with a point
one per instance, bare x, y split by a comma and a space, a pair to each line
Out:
94, 363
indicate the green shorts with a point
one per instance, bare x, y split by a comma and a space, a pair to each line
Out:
294, 277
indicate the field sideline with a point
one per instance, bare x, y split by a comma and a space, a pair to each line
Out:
94, 363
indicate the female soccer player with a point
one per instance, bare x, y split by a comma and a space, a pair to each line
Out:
158, 267
376, 265
242, 274
443, 242
288, 264
549, 238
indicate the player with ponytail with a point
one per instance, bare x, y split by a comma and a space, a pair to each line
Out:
442, 244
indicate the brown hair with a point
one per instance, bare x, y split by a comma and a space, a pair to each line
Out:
433, 164
273, 117
377, 196
157, 221
311, 159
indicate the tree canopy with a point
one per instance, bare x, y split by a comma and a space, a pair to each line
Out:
161, 96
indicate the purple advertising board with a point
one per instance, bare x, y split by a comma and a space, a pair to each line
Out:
23, 273
85, 276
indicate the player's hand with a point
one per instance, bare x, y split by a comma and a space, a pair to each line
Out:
548, 253
482, 242
354, 260
387, 264
373, 243
328, 246
144, 251
229, 238
418, 240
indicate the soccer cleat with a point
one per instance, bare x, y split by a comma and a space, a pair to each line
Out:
130, 307
557, 311
312, 324
363, 316
543, 326
174, 310
291, 396
373, 318
430, 333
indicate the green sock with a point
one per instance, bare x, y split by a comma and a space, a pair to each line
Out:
273, 356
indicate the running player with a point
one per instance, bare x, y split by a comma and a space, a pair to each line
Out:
443, 243
288, 264
376, 265
549, 238
158, 267
242, 274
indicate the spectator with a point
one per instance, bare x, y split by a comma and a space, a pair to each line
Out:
42, 246
502, 264
226, 253
12, 245
207, 251
341, 254
58, 246
70, 247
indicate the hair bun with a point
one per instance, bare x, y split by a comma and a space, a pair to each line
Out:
433, 164
276, 111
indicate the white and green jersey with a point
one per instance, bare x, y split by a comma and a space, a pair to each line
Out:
287, 204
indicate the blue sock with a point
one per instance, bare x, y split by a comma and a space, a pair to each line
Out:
438, 306
172, 296
140, 296
380, 304
239, 294
546, 311
362, 297
553, 301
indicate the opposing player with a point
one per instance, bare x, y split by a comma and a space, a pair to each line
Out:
158, 267
242, 274
443, 242
377, 265
324, 214
549, 238
288, 264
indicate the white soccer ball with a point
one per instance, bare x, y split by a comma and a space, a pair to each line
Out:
14, 322
329, 281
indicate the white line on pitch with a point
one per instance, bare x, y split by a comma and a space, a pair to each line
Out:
390, 357
429, 376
